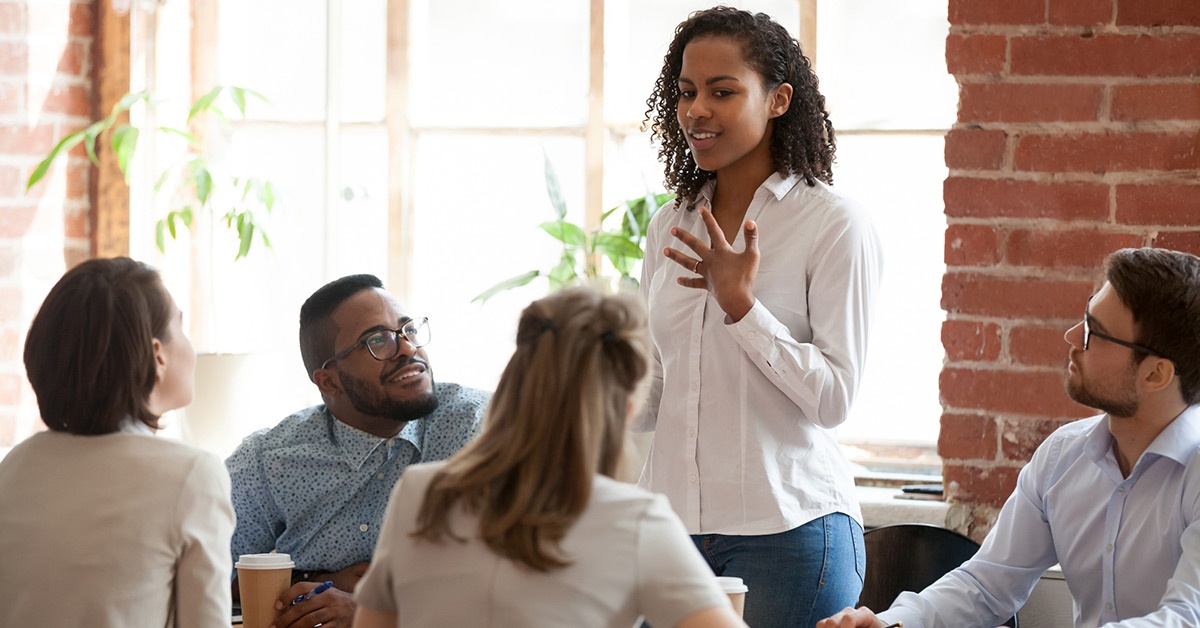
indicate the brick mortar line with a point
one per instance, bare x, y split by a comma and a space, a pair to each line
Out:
1118, 177
1115, 80
1066, 127
1071, 30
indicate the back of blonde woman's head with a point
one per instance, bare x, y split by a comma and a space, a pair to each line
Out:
556, 420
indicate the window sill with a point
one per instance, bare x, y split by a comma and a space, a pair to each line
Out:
880, 507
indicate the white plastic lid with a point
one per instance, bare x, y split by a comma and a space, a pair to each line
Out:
264, 561
729, 584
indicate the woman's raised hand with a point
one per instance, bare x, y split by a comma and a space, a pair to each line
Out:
729, 275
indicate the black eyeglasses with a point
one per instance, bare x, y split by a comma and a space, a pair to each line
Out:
385, 343
1088, 332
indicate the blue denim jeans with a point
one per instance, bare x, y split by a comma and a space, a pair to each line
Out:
796, 578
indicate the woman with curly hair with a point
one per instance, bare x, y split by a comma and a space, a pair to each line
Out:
759, 320
527, 526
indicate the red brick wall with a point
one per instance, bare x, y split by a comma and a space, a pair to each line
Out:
1078, 133
45, 93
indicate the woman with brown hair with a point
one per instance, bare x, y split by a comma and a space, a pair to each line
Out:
526, 526
101, 523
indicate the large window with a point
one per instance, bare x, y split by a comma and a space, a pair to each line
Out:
493, 90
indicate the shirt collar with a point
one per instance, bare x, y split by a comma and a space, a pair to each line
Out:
777, 184
129, 425
355, 445
1178, 441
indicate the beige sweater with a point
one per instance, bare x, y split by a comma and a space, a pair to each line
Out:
115, 530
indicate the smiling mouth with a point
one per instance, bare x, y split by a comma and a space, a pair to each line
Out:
406, 372
701, 135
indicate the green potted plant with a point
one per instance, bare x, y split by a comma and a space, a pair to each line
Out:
193, 183
583, 250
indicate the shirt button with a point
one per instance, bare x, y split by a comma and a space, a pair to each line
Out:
362, 528
693, 385
691, 431
751, 334
1108, 548
1108, 607
1121, 491
692, 478
695, 337
380, 476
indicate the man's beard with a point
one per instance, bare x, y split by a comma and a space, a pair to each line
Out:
1121, 402
369, 399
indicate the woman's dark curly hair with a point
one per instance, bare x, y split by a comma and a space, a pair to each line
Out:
802, 141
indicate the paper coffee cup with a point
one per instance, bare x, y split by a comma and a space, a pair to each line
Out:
262, 579
736, 590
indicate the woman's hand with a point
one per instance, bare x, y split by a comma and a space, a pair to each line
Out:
729, 275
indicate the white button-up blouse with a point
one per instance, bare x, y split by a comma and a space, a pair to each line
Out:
743, 412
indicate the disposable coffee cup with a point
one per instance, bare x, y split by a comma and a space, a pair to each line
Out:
736, 590
262, 579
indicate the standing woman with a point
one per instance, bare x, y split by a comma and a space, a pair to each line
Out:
101, 523
527, 525
760, 304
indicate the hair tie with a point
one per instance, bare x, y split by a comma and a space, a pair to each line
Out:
608, 337
548, 324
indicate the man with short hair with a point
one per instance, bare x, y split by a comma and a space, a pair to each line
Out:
1114, 499
315, 486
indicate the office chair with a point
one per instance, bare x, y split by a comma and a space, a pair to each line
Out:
910, 557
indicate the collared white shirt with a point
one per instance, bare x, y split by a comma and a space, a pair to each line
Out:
743, 412
1129, 547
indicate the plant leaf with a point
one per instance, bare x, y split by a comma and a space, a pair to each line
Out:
191, 139
553, 189
205, 102
171, 224
126, 102
64, 146
616, 246
159, 239
563, 272
568, 233
204, 182
507, 284
267, 195
245, 235
124, 144
239, 99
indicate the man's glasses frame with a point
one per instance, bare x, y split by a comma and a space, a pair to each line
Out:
415, 332
1088, 332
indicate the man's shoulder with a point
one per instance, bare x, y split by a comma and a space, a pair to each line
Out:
456, 398
303, 426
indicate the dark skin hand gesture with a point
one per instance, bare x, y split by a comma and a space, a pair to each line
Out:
729, 275
333, 607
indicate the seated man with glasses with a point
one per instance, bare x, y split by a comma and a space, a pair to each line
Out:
315, 486
1114, 499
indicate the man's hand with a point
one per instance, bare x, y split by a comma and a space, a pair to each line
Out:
861, 617
332, 608
347, 579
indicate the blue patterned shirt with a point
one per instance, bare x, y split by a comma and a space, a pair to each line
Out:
316, 488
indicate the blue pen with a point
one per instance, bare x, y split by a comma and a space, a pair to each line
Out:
320, 589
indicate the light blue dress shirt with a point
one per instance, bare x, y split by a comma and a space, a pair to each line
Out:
1129, 547
316, 488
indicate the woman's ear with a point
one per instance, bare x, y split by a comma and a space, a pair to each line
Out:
780, 99
160, 360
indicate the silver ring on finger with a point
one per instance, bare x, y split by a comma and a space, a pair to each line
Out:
696, 266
